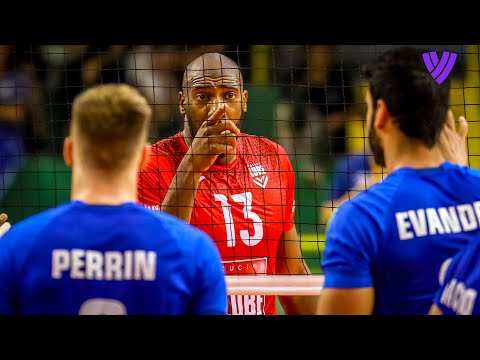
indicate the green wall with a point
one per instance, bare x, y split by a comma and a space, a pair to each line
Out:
42, 183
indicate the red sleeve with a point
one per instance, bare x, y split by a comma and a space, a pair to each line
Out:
288, 182
154, 179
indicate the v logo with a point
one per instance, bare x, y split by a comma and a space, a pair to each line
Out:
439, 69
261, 180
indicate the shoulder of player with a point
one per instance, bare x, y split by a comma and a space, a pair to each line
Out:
357, 219
169, 149
350, 209
472, 172
371, 205
380, 192
464, 172
265, 143
29, 228
388, 187
341, 218
167, 145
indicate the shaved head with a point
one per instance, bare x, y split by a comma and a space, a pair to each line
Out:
212, 65
210, 81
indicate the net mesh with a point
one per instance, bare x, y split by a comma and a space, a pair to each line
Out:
307, 98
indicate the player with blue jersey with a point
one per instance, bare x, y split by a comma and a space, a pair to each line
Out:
384, 248
459, 278
459, 284
103, 253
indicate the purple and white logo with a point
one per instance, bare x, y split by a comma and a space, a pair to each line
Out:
439, 69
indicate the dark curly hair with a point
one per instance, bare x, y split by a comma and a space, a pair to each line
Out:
416, 102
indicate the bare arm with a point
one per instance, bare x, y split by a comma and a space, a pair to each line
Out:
290, 262
435, 310
346, 262
358, 301
180, 196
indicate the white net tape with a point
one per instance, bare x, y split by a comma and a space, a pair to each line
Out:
275, 285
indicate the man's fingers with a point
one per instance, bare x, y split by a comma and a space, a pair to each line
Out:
443, 139
222, 126
463, 127
452, 142
221, 149
222, 144
450, 122
4, 228
227, 138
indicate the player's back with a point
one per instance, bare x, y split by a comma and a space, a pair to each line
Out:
403, 229
432, 214
97, 259
461, 283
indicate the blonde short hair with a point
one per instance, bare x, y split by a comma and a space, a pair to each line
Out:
110, 122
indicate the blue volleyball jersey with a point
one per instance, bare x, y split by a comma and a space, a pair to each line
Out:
99, 259
460, 283
395, 236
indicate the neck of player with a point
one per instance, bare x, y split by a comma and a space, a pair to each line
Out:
413, 154
100, 188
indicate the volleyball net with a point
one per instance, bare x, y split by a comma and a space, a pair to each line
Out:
307, 98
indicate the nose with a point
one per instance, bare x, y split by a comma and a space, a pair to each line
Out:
215, 104
217, 101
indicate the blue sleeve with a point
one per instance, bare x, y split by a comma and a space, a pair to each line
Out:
438, 294
445, 289
349, 249
7, 273
211, 295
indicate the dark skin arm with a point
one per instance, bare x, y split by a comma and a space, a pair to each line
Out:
355, 301
290, 261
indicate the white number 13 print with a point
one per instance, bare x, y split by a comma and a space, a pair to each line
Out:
246, 199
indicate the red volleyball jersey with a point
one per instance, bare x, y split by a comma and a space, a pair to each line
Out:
244, 206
